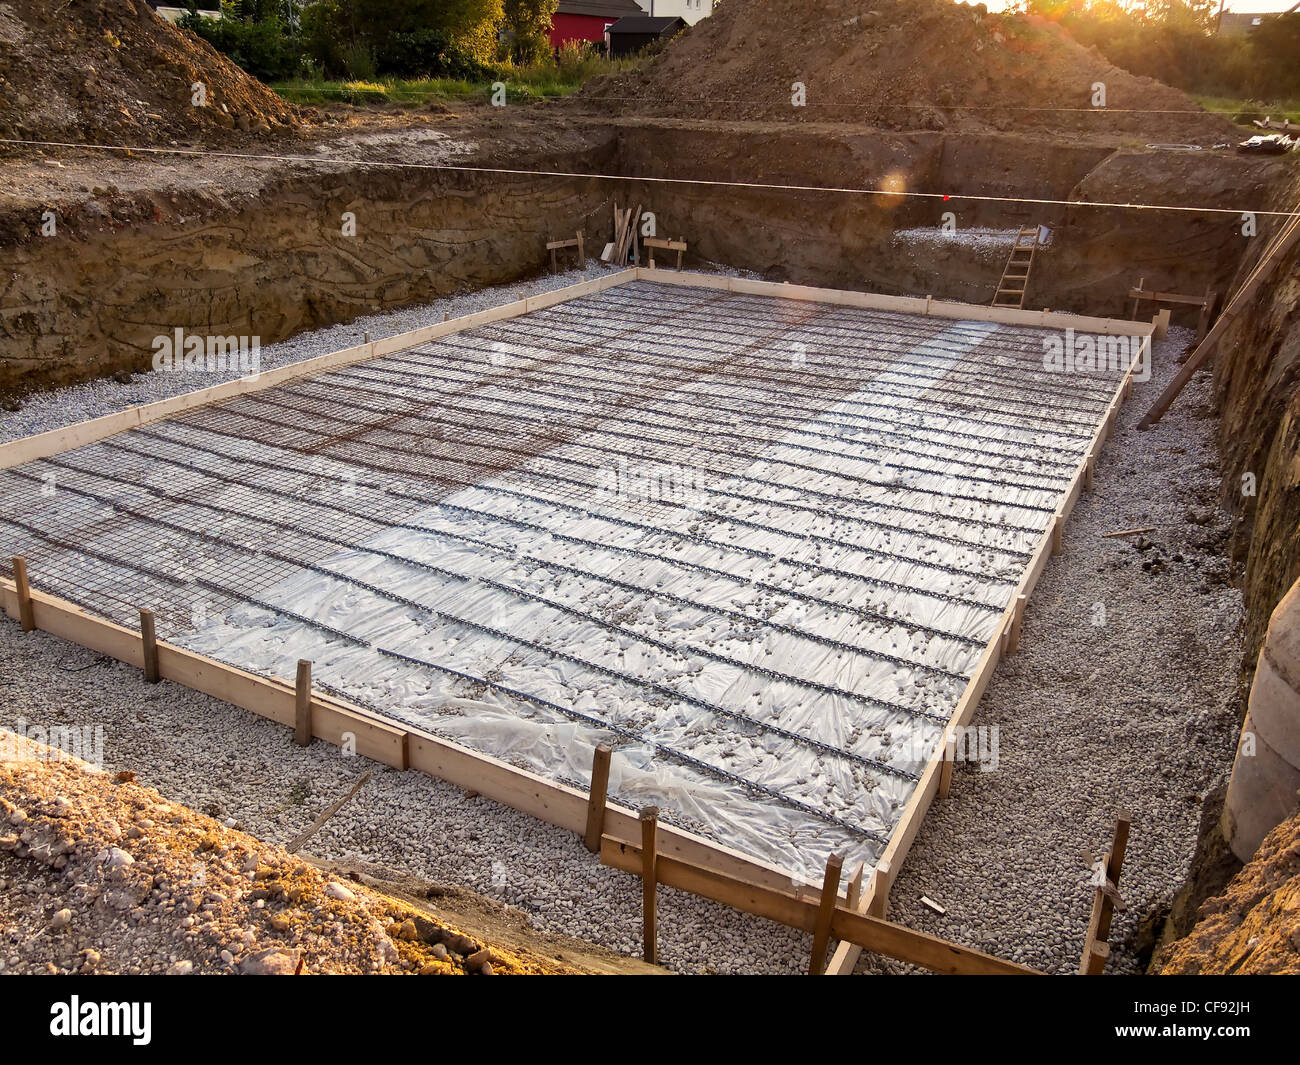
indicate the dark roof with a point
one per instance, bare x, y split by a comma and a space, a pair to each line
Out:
658, 26
601, 8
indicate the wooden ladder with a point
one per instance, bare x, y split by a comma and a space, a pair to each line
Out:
1015, 275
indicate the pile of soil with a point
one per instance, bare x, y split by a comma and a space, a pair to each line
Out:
902, 64
99, 874
114, 72
1254, 926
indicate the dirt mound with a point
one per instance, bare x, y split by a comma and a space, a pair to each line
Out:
112, 71
1254, 926
903, 64
99, 874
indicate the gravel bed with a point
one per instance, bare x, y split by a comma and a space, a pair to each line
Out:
1135, 712
1138, 712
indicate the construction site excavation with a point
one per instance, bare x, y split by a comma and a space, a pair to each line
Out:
730, 488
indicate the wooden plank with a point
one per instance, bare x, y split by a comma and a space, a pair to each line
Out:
882, 937
825, 911
649, 884
666, 245
23, 593
1206, 347
70, 437
1166, 297
599, 796
149, 647
902, 304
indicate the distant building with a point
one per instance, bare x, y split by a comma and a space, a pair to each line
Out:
629, 35
172, 13
1238, 24
588, 20
689, 11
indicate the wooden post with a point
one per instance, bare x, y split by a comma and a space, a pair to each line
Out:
555, 266
1161, 322
1017, 619
855, 886
149, 638
582, 253
1207, 314
1094, 962
680, 252
649, 880
1087, 472
26, 616
949, 763
302, 707
825, 911
1058, 523
596, 799
880, 881
1137, 299
1095, 951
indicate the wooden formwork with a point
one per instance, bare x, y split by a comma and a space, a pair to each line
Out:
684, 860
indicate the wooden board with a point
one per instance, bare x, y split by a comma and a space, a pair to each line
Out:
882, 937
902, 304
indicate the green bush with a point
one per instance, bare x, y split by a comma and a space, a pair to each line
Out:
430, 54
265, 49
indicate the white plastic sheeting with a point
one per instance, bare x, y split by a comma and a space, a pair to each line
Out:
772, 652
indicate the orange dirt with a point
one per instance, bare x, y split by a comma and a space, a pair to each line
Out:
1254, 926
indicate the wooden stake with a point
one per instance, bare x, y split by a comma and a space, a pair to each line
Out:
302, 707
1087, 473
1058, 524
825, 911
1017, 619
649, 880
596, 800
582, 252
26, 615
1103, 901
949, 764
880, 881
1094, 962
855, 886
149, 639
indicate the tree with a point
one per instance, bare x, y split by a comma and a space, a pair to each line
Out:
528, 23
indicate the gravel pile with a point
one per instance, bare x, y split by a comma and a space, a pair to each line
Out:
1136, 711
101, 875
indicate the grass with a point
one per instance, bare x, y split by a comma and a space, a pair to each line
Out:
1233, 106
536, 81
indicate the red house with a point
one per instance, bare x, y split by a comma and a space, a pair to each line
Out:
587, 20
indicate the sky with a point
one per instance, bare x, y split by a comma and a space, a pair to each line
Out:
1242, 6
